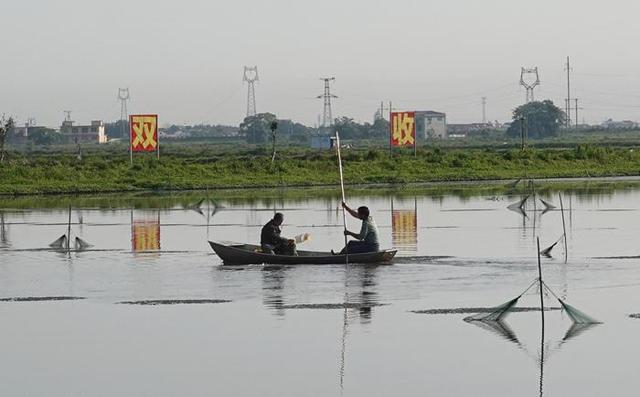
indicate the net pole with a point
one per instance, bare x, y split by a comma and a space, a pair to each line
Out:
564, 230
69, 231
540, 279
344, 213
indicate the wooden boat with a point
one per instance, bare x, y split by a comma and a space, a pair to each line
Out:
245, 254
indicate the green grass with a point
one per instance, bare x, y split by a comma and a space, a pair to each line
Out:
105, 169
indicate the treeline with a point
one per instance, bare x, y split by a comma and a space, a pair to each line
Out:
258, 129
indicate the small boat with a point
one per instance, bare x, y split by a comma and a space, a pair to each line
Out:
246, 254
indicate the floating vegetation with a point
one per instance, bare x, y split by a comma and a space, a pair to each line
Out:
174, 302
41, 298
472, 310
332, 306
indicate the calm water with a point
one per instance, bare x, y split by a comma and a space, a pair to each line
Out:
284, 331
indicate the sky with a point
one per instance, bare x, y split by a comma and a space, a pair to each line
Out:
184, 59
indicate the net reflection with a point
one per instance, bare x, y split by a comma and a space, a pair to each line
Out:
546, 347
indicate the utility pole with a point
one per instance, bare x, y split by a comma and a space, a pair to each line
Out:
568, 69
576, 119
250, 76
524, 133
529, 86
123, 97
484, 110
327, 118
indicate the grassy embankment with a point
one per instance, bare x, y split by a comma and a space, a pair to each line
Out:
189, 167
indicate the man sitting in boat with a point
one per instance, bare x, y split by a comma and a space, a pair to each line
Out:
367, 239
270, 240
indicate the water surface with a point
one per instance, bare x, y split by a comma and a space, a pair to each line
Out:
199, 328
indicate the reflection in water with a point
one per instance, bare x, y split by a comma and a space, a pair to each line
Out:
404, 227
503, 330
273, 278
4, 235
145, 233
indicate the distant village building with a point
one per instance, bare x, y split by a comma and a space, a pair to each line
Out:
323, 142
93, 133
620, 125
431, 124
19, 135
463, 130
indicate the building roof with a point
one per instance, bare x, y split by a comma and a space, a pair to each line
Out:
429, 113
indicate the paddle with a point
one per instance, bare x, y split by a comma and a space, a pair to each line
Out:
344, 214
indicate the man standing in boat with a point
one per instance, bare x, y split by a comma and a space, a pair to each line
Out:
367, 239
270, 240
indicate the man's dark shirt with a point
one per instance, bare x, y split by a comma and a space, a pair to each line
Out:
271, 234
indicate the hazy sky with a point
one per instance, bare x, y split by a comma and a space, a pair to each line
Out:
184, 59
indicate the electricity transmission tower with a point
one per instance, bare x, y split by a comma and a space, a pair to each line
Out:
484, 110
123, 97
528, 85
568, 101
250, 75
327, 119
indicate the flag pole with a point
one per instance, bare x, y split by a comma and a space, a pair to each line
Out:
130, 144
344, 214
158, 142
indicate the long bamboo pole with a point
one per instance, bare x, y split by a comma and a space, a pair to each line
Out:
541, 285
69, 231
344, 213
564, 231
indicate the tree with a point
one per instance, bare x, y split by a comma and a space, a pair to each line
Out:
119, 129
5, 126
257, 128
348, 128
540, 120
44, 136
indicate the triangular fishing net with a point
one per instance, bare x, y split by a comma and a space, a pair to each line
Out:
518, 205
547, 251
548, 206
60, 242
578, 316
495, 314
80, 244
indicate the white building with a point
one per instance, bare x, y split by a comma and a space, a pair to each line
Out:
431, 125
84, 133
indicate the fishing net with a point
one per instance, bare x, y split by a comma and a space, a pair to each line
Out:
576, 315
495, 314
80, 244
547, 251
548, 206
60, 242
518, 205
